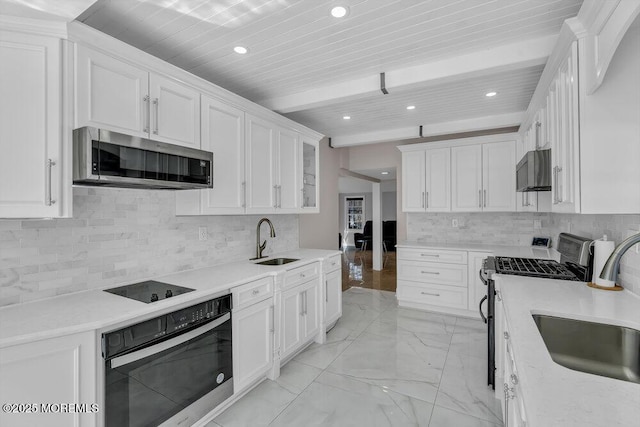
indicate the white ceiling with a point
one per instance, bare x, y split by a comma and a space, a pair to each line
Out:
439, 55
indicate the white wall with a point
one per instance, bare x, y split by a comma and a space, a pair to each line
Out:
316, 229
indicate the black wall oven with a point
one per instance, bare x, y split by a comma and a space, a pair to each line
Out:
156, 369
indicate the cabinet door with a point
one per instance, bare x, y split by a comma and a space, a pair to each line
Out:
111, 94
332, 297
310, 169
438, 180
565, 153
252, 343
413, 181
30, 126
175, 112
260, 166
466, 178
292, 314
499, 177
53, 371
311, 319
222, 134
289, 172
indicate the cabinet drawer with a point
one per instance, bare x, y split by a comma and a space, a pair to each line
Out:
433, 255
252, 292
445, 296
301, 274
332, 263
433, 272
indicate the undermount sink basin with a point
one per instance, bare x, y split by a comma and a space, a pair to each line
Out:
596, 348
277, 261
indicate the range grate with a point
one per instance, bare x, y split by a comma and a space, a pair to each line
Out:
534, 268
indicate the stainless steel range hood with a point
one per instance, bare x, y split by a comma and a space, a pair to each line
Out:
111, 159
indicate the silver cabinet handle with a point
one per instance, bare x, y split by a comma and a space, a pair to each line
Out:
506, 335
498, 296
280, 196
558, 176
302, 275
429, 293
156, 103
555, 184
255, 292
479, 198
485, 198
431, 255
244, 194
430, 272
326, 291
272, 319
47, 196
146, 100
423, 202
304, 296
427, 200
514, 379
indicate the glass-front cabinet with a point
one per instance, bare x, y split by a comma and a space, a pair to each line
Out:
310, 166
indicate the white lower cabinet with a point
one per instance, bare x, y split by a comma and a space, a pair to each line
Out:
440, 280
252, 343
332, 298
37, 378
300, 317
514, 414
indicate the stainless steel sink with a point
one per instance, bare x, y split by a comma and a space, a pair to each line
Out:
277, 261
596, 348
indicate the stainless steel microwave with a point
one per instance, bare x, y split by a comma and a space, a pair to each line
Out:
105, 158
533, 172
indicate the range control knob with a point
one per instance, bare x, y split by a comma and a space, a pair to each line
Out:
154, 297
168, 294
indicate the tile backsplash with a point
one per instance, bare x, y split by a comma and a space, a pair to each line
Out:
119, 236
518, 229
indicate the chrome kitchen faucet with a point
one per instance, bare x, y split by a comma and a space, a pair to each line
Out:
610, 269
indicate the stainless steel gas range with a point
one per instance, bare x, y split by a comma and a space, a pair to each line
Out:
576, 264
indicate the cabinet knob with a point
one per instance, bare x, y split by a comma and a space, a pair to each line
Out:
506, 335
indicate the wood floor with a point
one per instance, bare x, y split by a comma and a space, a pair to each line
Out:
357, 270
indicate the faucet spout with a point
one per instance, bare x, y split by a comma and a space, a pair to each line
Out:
261, 247
610, 269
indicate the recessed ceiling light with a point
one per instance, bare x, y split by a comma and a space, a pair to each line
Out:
339, 12
346, 117
384, 173
490, 94
240, 49
411, 107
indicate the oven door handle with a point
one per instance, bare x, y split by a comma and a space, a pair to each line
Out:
165, 345
484, 319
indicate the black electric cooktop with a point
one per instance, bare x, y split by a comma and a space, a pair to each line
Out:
149, 291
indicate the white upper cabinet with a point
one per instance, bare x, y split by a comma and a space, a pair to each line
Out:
31, 131
175, 112
466, 178
260, 166
114, 95
111, 94
310, 169
288, 169
426, 180
498, 176
483, 177
223, 134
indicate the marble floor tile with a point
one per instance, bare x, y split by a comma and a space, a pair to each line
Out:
443, 417
322, 355
296, 376
355, 319
354, 404
378, 300
403, 363
464, 389
470, 338
258, 408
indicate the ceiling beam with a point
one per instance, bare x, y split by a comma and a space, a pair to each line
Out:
488, 61
458, 126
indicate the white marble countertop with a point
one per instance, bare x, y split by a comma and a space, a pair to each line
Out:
496, 250
553, 394
95, 309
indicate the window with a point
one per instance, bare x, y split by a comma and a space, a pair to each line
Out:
354, 207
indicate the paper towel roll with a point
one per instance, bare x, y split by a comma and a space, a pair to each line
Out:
602, 250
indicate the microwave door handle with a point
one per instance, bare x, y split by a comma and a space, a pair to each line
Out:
165, 345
